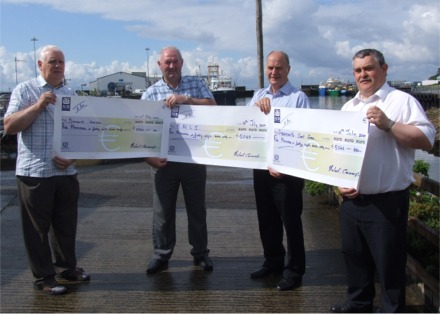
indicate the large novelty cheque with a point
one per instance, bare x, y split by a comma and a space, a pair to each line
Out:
326, 146
219, 135
107, 128
320, 145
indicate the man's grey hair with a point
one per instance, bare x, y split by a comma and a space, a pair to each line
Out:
46, 49
376, 54
173, 48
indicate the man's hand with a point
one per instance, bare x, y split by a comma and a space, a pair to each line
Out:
275, 173
156, 162
62, 163
348, 192
175, 99
264, 105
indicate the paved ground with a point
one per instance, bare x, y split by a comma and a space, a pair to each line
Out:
114, 245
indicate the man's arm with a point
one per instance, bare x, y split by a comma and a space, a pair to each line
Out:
405, 134
177, 99
410, 136
20, 120
200, 101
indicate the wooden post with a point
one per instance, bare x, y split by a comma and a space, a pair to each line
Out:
260, 44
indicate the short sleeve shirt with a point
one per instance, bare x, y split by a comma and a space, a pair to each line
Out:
35, 144
387, 165
189, 86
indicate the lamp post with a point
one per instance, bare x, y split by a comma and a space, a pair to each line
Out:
35, 56
148, 67
17, 60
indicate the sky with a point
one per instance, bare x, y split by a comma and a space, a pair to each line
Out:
102, 37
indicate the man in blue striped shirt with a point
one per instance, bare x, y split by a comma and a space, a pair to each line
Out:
278, 196
175, 89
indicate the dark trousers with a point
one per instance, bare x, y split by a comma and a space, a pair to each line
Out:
280, 203
167, 181
373, 235
49, 206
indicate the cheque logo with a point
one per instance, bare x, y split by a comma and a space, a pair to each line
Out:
109, 138
309, 154
212, 147
65, 104
277, 116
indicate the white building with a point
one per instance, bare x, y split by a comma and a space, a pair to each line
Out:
119, 82
429, 82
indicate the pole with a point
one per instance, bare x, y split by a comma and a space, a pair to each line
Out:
17, 60
16, 79
259, 25
148, 67
35, 56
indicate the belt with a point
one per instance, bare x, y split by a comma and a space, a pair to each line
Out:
381, 195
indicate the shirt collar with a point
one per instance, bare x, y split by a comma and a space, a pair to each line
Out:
178, 85
381, 94
284, 90
42, 83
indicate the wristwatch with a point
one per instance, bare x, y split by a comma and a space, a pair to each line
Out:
188, 99
390, 125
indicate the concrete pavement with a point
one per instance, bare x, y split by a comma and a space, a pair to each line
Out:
114, 245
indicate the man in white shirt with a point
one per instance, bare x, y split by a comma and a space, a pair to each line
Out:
374, 217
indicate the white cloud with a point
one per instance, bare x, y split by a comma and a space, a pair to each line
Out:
319, 36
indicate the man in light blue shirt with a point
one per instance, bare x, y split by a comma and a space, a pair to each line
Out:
279, 197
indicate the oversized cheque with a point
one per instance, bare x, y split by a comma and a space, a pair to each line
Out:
107, 128
321, 145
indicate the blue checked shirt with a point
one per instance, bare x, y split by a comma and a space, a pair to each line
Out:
189, 86
287, 96
35, 144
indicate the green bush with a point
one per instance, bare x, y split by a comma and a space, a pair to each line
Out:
422, 167
315, 188
424, 252
425, 207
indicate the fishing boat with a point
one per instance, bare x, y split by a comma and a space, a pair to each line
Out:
336, 87
223, 88
331, 87
217, 81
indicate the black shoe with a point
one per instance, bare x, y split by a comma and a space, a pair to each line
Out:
76, 274
265, 271
156, 265
204, 262
289, 283
350, 308
50, 286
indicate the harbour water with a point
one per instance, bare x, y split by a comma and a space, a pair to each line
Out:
336, 103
